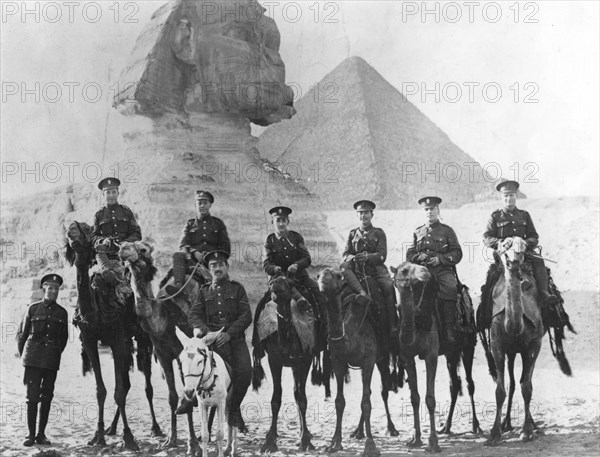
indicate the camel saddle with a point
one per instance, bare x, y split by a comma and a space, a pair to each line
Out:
303, 320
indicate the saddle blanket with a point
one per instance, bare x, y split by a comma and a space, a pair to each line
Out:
302, 318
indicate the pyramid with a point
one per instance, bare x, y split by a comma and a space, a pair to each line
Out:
356, 136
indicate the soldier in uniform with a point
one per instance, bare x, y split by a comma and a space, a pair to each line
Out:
223, 304
510, 221
286, 253
114, 223
435, 246
41, 339
366, 252
202, 234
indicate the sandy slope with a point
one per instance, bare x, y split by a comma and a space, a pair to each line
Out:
566, 409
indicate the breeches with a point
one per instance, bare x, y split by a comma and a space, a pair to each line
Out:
447, 285
236, 354
40, 384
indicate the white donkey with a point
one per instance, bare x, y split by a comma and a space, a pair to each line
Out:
206, 374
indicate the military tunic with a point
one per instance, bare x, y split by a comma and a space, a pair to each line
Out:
438, 240
503, 224
283, 251
205, 235
115, 221
371, 240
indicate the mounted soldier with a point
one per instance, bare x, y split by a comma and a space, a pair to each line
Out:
366, 252
223, 304
202, 234
41, 339
285, 253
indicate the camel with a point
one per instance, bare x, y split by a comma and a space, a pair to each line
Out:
417, 298
98, 322
284, 349
517, 328
352, 342
158, 321
207, 376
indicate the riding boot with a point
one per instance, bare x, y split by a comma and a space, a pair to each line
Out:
179, 268
449, 319
44, 413
32, 408
541, 279
353, 281
300, 300
185, 405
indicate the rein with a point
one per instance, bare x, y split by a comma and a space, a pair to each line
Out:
185, 283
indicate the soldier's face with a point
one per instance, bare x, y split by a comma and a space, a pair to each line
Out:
218, 268
365, 217
281, 223
509, 199
51, 292
203, 207
110, 196
432, 213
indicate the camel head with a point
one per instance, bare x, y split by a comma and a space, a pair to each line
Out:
281, 289
79, 240
513, 253
330, 281
197, 362
138, 255
409, 274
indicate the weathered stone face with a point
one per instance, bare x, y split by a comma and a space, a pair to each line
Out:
208, 57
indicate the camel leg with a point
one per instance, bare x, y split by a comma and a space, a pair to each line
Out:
340, 404
431, 367
496, 432
384, 371
452, 359
155, 430
365, 406
529, 358
415, 400
468, 354
122, 386
359, 431
270, 444
167, 367
112, 429
506, 423
300, 374
91, 349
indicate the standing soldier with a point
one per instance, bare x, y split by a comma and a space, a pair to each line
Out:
202, 234
510, 221
41, 339
366, 252
286, 253
223, 304
435, 246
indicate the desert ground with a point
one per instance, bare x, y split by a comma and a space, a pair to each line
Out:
566, 409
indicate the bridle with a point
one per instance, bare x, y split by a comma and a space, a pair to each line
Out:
203, 380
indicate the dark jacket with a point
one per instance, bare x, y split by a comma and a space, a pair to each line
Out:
43, 335
205, 235
371, 240
285, 251
437, 240
115, 221
503, 224
223, 304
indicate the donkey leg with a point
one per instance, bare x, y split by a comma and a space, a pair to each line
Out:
528, 359
270, 444
452, 359
384, 371
415, 400
300, 372
340, 404
468, 355
365, 406
91, 349
506, 423
220, 428
204, 436
431, 366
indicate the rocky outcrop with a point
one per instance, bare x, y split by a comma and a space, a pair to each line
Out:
356, 136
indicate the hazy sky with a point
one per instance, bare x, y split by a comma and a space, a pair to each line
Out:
511, 83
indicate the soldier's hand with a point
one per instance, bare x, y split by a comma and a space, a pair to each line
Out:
198, 256
434, 262
222, 339
106, 241
197, 333
278, 271
422, 257
292, 269
361, 257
